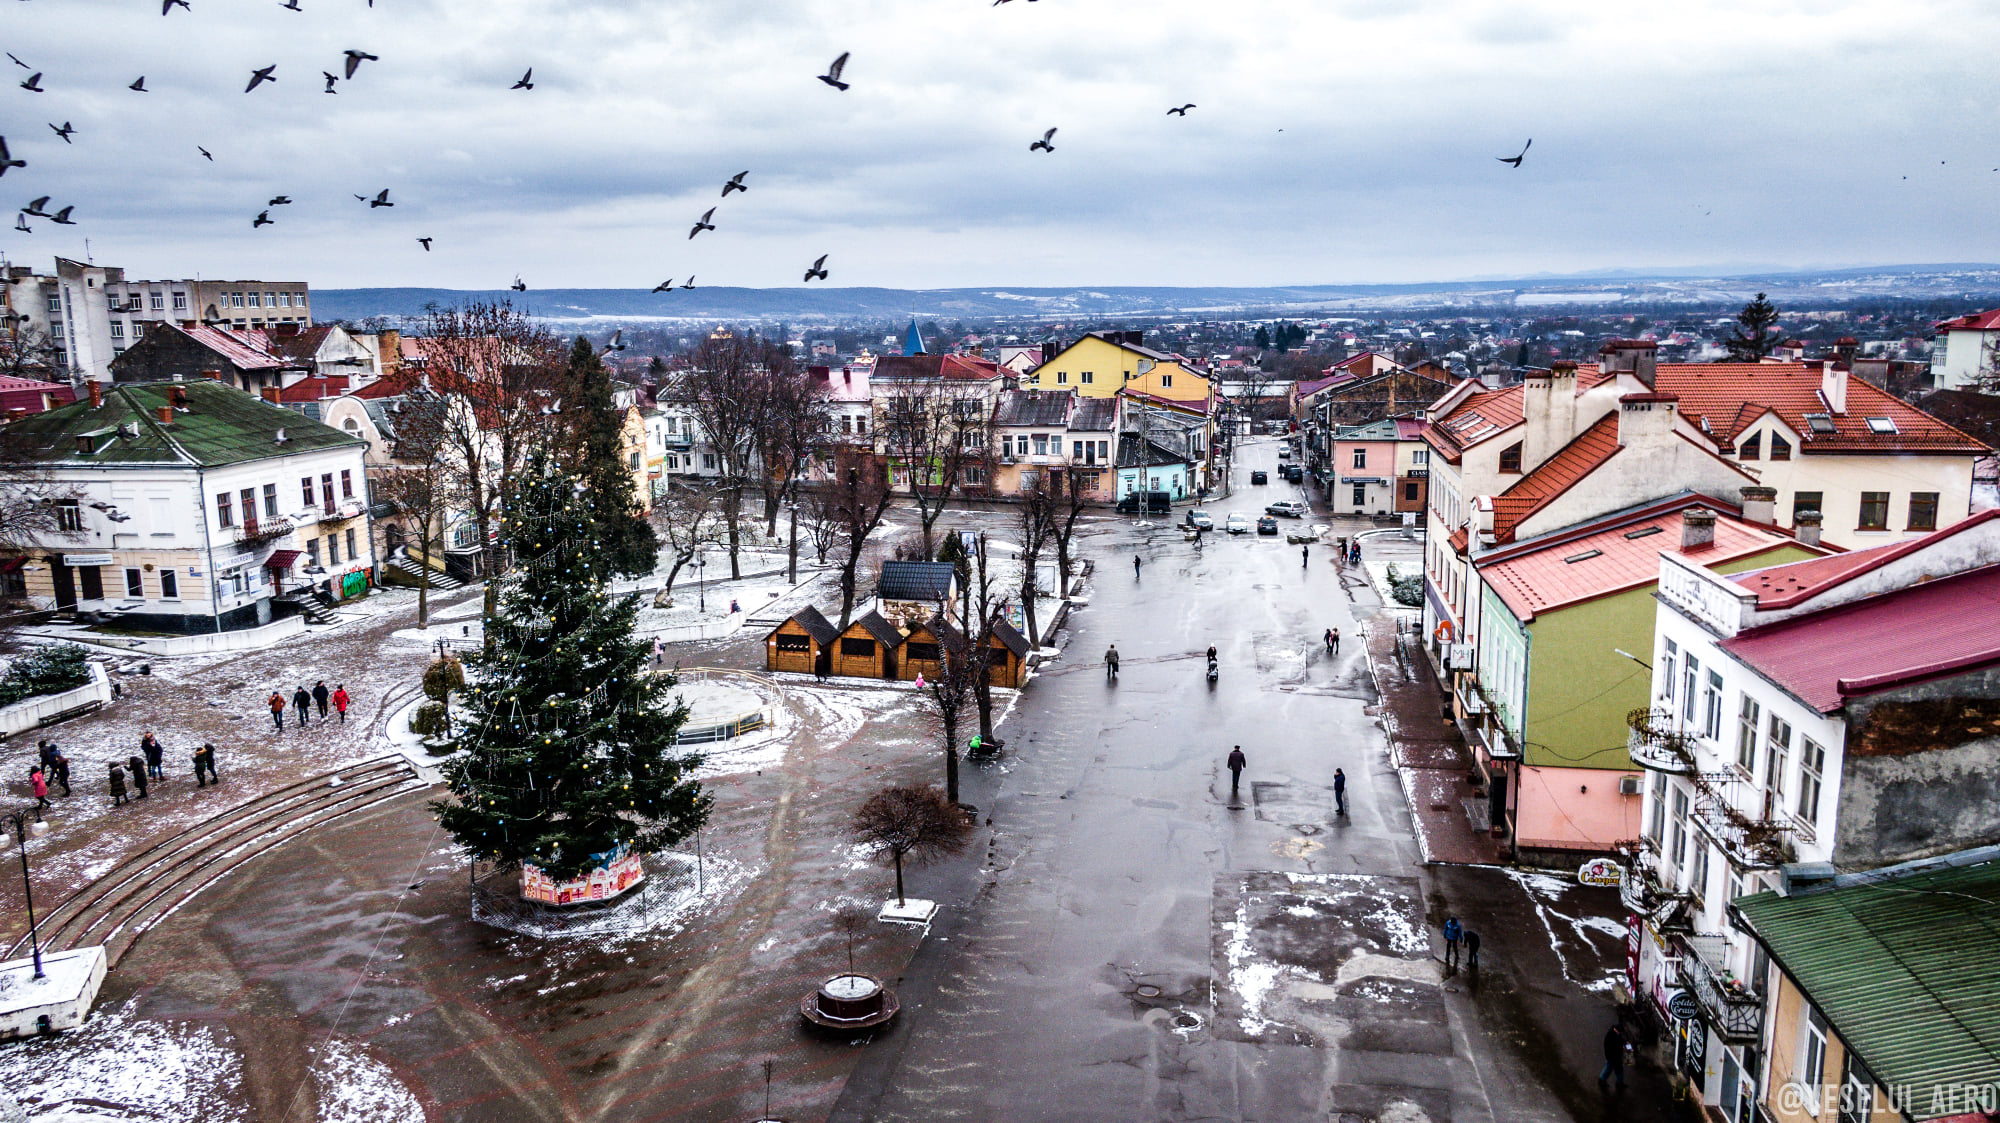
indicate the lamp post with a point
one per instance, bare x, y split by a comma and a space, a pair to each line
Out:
20, 822
701, 579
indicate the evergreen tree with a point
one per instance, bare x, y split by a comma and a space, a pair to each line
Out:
1753, 338
1262, 340
570, 745
597, 428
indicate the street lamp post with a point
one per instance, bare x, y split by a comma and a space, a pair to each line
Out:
20, 821
701, 579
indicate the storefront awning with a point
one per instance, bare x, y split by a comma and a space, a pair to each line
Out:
12, 564
282, 559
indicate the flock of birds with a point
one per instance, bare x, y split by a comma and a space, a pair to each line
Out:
353, 59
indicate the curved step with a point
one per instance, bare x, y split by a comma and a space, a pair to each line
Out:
152, 883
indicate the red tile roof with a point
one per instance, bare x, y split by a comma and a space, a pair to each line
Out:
1973, 321
1615, 555
1556, 475
390, 385
1488, 413
314, 389
1923, 632
32, 395
965, 367
1729, 396
1783, 586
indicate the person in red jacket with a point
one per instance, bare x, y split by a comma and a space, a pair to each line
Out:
278, 710
340, 700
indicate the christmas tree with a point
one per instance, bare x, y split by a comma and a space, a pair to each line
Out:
570, 752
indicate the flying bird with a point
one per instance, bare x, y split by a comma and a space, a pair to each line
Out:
293, 6
279, 201
331, 78
62, 218
1043, 143
34, 83
263, 219
519, 285
7, 161
261, 75
1516, 160
64, 132
832, 75
664, 286
735, 184
703, 223
426, 243
356, 58
690, 283
21, 224
35, 208
169, 5
817, 269
17, 61
205, 154
380, 200
140, 85
616, 343
1181, 111
526, 82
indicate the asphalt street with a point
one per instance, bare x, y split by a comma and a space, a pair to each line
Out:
1139, 942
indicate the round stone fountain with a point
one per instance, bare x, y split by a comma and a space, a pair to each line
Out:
849, 1003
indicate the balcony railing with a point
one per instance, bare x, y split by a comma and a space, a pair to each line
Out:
1735, 1010
1655, 745
256, 532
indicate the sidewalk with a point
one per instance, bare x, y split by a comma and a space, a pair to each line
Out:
1428, 753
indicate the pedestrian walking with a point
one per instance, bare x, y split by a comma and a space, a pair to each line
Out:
1471, 950
1237, 763
117, 784
320, 697
659, 651
1334, 633
1354, 554
1136, 560
1339, 792
40, 785
302, 702
340, 702
1111, 663
204, 760
61, 768
1615, 1048
278, 710
155, 755
138, 768
46, 752
1305, 555
1452, 931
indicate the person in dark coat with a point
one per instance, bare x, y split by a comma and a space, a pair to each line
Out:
1237, 763
1615, 1048
1471, 950
138, 767
60, 764
155, 754
320, 696
1339, 792
117, 784
204, 760
302, 702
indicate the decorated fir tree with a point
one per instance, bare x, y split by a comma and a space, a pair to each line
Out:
570, 759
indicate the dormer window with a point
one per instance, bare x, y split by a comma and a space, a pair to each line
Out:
1510, 458
1882, 425
1781, 449
1752, 448
1820, 423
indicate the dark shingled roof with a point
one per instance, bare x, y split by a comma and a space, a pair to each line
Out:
915, 580
1048, 408
1095, 415
883, 631
1011, 636
221, 425
817, 626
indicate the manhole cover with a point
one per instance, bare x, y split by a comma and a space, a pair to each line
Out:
1185, 1020
1147, 991
1440, 807
1308, 829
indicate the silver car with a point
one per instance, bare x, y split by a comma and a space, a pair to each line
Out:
1290, 508
1239, 523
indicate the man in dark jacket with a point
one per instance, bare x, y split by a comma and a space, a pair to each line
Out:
1237, 763
138, 769
302, 702
61, 765
204, 760
155, 754
1615, 1048
320, 696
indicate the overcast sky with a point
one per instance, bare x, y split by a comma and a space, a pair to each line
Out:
1333, 140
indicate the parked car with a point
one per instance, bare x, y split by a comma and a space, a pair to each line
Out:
1259, 478
1284, 452
1157, 503
1199, 518
1292, 472
1290, 508
1267, 525
1239, 523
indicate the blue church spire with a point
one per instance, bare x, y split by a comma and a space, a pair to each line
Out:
913, 344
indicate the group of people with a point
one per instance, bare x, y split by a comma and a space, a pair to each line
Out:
304, 700
145, 766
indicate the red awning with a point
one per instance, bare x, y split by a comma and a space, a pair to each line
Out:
282, 559
12, 564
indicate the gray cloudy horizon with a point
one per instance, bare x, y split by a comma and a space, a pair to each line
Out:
1688, 135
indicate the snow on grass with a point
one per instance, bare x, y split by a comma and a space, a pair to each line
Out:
354, 1087
118, 1066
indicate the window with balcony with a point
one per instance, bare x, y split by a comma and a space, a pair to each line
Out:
1874, 511
1668, 656
1041, 444
326, 489
1749, 722
1698, 877
1923, 510
225, 510
1812, 759
347, 479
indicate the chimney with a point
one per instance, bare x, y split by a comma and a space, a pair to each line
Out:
1845, 347
17, 413
1833, 384
847, 375
212, 374
166, 415
1636, 357
179, 397
96, 390
270, 394
1647, 420
1805, 527
1548, 408
1697, 529
1760, 505
1482, 521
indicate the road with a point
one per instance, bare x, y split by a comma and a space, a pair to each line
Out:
1140, 941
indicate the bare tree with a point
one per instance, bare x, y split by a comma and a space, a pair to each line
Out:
792, 428
917, 822
1034, 520
947, 691
724, 386
820, 516
416, 481
1066, 510
685, 519
27, 351
979, 633
860, 495
934, 429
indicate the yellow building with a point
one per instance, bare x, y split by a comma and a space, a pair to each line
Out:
1105, 362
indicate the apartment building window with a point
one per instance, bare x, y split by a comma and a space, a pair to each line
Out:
157, 302
270, 501
1711, 708
1777, 757
1062, 378
1690, 679
55, 305
135, 583
56, 330
225, 513
1752, 447
1041, 444
1812, 1057
170, 584
180, 302
1420, 458
236, 300
312, 551
332, 550
117, 329
1667, 658
708, 460
861, 425
1698, 879
972, 475
1510, 458
326, 488
1167, 381
1781, 449
69, 517
249, 495
1812, 759
306, 491
1874, 511
1361, 458
1858, 1103
352, 553
1678, 850
1656, 823
1749, 723
1923, 510
347, 480
1806, 501
1086, 378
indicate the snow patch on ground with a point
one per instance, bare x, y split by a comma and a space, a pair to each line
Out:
1251, 980
119, 1067
1544, 892
1358, 893
354, 1087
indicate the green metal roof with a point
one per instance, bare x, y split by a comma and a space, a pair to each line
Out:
1902, 966
219, 425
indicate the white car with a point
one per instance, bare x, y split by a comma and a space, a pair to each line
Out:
1199, 518
1238, 523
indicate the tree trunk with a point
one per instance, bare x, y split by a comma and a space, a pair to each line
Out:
792, 545
423, 594
679, 563
950, 749
1028, 605
982, 697
899, 878
847, 589
735, 531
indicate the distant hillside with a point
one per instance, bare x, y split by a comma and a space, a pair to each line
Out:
1812, 289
